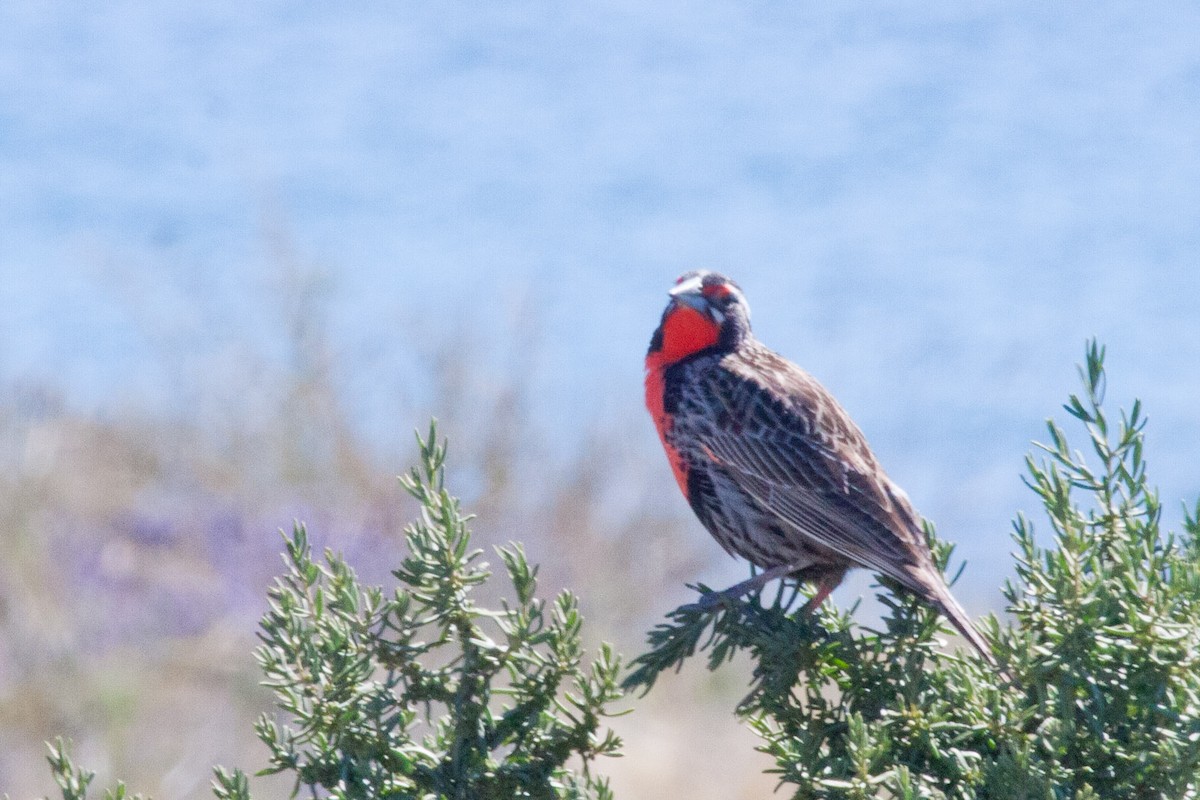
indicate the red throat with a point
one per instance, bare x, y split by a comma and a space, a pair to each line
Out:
684, 331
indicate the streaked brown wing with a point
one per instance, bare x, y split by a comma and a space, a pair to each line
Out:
787, 443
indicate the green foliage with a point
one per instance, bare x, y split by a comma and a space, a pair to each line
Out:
1102, 647
73, 781
1106, 624
419, 692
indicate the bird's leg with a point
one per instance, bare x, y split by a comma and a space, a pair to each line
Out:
825, 586
738, 590
823, 590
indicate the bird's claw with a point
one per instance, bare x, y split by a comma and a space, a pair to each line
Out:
708, 602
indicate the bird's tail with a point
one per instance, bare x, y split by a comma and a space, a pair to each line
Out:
957, 616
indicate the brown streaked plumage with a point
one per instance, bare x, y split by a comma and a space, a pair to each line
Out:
770, 462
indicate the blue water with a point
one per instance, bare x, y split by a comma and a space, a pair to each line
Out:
930, 206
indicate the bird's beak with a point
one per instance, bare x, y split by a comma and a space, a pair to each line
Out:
688, 293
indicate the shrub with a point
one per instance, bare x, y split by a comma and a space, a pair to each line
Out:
1104, 699
419, 692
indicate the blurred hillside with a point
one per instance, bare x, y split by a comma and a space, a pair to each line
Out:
140, 548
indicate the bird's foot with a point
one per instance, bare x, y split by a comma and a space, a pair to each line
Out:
710, 601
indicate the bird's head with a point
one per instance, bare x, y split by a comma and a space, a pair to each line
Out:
707, 311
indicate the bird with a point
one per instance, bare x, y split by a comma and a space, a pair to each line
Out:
772, 465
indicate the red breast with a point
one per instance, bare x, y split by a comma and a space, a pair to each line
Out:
683, 331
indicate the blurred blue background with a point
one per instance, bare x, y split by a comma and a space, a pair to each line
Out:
930, 207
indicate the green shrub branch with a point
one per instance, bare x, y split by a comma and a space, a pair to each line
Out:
417, 691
